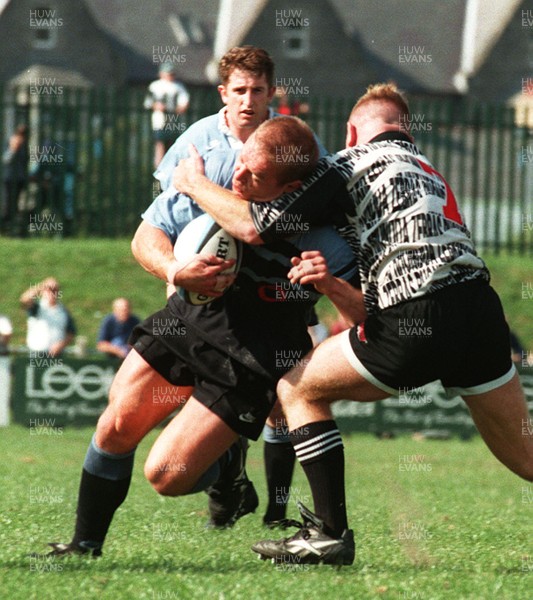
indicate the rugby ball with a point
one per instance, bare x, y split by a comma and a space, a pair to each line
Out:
204, 235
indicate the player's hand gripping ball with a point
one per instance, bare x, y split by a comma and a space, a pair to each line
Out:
204, 235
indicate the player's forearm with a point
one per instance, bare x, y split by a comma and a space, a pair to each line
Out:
347, 299
153, 250
229, 211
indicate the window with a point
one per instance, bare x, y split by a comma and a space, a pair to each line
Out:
296, 42
44, 24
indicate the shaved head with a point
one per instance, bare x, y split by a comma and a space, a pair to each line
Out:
382, 108
381, 101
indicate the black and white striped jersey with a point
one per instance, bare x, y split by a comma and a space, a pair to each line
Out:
396, 212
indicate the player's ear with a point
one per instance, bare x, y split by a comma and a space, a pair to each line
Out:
222, 91
271, 92
351, 135
292, 185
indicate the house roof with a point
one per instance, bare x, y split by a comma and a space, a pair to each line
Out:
403, 38
147, 34
421, 43
67, 77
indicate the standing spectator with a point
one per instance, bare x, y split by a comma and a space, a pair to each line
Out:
166, 98
6, 330
116, 328
55, 175
50, 325
15, 162
283, 103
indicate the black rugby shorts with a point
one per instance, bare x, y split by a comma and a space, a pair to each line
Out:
242, 398
457, 335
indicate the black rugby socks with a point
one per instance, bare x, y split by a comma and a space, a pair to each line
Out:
98, 499
279, 466
319, 449
104, 485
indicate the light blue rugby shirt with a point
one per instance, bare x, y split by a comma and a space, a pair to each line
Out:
215, 143
218, 147
171, 211
207, 134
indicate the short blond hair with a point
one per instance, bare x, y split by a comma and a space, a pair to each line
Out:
289, 143
382, 94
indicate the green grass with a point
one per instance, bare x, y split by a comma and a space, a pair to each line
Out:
93, 272
459, 528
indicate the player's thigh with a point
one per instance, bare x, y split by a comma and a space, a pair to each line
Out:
502, 418
326, 374
186, 448
139, 399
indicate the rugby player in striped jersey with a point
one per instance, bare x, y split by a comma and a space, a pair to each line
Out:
431, 311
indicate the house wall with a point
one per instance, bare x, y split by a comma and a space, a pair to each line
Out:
334, 65
79, 44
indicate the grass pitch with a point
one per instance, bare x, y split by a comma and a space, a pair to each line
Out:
432, 520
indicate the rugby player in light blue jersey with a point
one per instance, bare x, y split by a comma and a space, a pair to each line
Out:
231, 377
246, 88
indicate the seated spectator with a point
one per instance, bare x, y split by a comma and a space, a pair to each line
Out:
6, 330
50, 325
116, 328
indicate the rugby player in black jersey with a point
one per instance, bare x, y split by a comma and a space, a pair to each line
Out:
418, 265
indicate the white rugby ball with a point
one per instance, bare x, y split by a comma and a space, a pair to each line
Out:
204, 235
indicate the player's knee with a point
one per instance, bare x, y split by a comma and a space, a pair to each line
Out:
124, 428
106, 433
165, 478
290, 392
165, 488
159, 480
113, 433
284, 391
